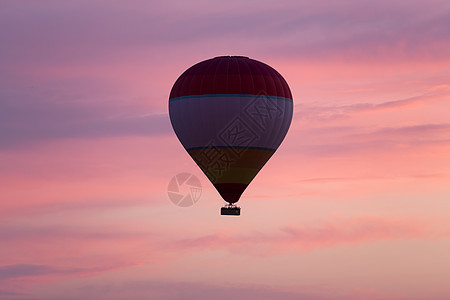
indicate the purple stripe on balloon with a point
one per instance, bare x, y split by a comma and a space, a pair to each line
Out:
228, 96
231, 120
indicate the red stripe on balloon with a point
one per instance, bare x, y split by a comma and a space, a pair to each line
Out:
230, 75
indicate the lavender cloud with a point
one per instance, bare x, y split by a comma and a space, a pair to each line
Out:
82, 30
31, 119
163, 289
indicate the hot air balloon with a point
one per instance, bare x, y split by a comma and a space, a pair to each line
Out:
230, 113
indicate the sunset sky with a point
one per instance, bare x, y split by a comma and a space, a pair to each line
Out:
355, 204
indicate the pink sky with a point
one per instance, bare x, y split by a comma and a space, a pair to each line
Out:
354, 204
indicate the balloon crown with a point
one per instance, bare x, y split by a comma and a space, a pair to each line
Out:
235, 56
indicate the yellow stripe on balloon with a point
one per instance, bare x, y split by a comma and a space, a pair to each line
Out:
237, 175
230, 165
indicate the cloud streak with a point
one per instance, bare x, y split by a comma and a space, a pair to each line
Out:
323, 113
352, 29
24, 270
24, 122
308, 238
188, 289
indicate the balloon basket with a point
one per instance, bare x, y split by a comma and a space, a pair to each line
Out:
230, 210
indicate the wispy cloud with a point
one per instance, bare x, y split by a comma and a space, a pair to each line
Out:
41, 233
428, 139
309, 237
324, 113
414, 124
14, 294
24, 270
72, 207
430, 176
352, 29
189, 289
24, 122
416, 131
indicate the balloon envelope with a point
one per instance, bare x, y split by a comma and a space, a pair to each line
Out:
230, 113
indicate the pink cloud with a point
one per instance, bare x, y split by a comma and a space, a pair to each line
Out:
37, 254
440, 94
310, 237
372, 178
188, 289
88, 172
